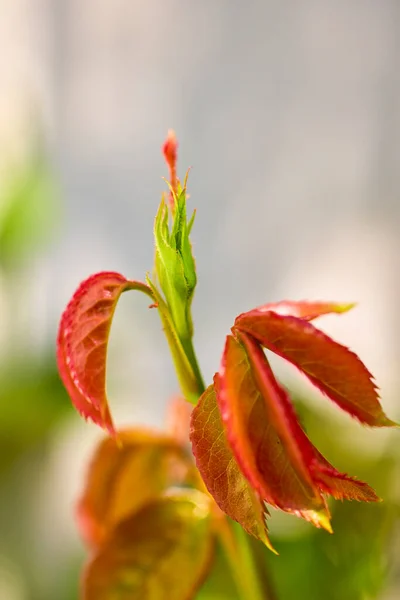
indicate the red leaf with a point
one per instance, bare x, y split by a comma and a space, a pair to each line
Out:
323, 474
220, 471
331, 367
260, 428
339, 485
268, 442
303, 309
82, 343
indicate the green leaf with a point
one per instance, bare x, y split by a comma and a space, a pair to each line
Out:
163, 551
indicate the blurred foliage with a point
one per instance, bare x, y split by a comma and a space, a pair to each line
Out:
28, 211
219, 584
351, 564
32, 400
31, 397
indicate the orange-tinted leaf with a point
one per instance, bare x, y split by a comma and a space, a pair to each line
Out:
303, 309
261, 431
331, 367
125, 475
220, 471
163, 551
82, 342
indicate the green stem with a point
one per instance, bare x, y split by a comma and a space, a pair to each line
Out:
261, 587
182, 352
240, 557
192, 358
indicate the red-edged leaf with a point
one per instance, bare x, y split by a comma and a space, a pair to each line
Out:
331, 367
270, 446
260, 428
82, 342
220, 471
339, 485
303, 309
163, 551
125, 475
330, 481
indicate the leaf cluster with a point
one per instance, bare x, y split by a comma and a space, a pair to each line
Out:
149, 516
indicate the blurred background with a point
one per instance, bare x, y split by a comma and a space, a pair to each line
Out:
289, 114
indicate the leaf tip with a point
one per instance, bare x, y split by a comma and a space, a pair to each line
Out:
267, 542
384, 421
343, 307
323, 521
347, 306
319, 518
